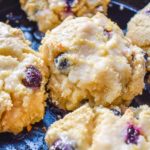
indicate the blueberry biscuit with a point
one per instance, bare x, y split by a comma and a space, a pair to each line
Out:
139, 31
91, 60
139, 28
50, 13
100, 128
22, 82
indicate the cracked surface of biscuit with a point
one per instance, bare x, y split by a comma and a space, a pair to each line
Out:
50, 13
100, 128
22, 82
91, 60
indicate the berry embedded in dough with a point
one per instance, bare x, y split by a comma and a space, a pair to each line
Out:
23, 76
99, 128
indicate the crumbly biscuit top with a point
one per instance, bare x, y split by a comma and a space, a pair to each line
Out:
101, 128
90, 59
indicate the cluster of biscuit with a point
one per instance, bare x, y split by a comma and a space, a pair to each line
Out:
87, 64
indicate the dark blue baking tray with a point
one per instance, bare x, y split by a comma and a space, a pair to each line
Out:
10, 12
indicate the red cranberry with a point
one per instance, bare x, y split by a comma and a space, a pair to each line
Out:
32, 78
132, 135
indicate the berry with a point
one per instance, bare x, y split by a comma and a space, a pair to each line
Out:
148, 12
61, 62
62, 144
32, 78
132, 135
69, 4
116, 112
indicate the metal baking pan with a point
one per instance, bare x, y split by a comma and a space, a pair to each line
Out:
120, 11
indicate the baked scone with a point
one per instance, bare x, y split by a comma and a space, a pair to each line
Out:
91, 60
50, 13
139, 28
139, 31
22, 82
101, 129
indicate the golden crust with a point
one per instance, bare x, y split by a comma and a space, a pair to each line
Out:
21, 106
49, 14
94, 128
105, 68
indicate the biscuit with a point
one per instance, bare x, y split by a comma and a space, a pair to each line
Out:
50, 13
101, 128
23, 76
90, 60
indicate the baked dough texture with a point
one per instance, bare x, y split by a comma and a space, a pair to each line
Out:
22, 82
139, 28
101, 128
50, 13
91, 60
139, 31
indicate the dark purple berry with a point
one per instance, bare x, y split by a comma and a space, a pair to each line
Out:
132, 135
32, 78
147, 12
61, 62
62, 144
69, 5
145, 56
116, 112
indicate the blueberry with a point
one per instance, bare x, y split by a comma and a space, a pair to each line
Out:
28, 36
32, 78
38, 35
132, 135
116, 112
62, 144
69, 5
61, 62
69, 2
145, 56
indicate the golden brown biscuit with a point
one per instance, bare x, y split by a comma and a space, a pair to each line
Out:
50, 13
139, 31
139, 28
91, 60
101, 129
22, 82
